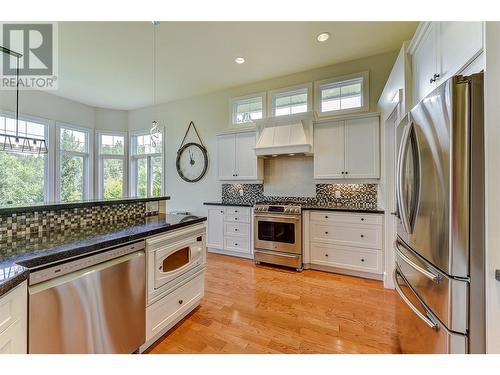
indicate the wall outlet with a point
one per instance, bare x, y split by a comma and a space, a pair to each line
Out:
151, 206
241, 192
337, 194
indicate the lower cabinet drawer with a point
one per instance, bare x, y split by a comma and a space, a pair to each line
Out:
165, 311
238, 244
13, 306
237, 211
236, 229
357, 259
237, 219
348, 234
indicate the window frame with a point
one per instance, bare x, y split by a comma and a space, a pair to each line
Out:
88, 173
48, 175
99, 167
365, 94
133, 158
232, 106
273, 93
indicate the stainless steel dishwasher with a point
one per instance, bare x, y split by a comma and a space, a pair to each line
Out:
95, 304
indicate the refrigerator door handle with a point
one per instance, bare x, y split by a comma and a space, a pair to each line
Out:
433, 277
403, 211
405, 299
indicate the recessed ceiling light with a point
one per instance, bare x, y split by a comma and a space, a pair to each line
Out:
323, 37
239, 60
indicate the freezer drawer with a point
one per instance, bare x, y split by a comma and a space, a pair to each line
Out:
419, 331
447, 297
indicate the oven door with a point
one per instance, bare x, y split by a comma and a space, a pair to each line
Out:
278, 233
176, 259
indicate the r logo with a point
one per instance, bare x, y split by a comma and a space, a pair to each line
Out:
34, 42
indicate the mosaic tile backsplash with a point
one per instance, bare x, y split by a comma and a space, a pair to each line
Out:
362, 195
59, 221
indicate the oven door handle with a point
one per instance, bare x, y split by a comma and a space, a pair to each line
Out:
277, 217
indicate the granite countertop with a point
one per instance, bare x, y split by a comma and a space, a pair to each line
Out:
10, 209
19, 255
344, 208
229, 203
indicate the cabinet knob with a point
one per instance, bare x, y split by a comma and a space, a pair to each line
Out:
346, 172
434, 78
342, 172
326, 232
362, 219
235, 218
222, 212
235, 244
326, 217
326, 255
181, 302
362, 235
362, 260
235, 229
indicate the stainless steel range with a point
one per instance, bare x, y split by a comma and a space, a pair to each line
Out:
278, 234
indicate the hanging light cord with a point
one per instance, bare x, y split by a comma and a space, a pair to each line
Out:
154, 128
17, 99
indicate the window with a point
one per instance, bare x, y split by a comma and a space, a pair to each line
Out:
343, 95
246, 109
23, 177
111, 165
146, 166
291, 100
73, 175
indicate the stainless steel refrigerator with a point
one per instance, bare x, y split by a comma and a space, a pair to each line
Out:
439, 250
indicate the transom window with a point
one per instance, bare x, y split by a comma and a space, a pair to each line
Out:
343, 94
73, 173
23, 176
247, 109
290, 102
146, 166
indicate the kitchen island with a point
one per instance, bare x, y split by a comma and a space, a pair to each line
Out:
92, 243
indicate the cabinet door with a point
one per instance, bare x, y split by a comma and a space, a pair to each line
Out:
246, 161
226, 149
215, 227
425, 63
362, 155
460, 43
329, 150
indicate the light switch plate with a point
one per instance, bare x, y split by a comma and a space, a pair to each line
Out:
151, 206
337, 194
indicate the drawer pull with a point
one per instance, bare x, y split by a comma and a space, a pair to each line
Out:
326, 217
362, 260
235, 218
181, 302
235, 211
326, 255
326, 232
236, 229
362, 219
235, 244
362, 235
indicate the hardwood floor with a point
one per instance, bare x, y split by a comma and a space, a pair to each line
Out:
262, 309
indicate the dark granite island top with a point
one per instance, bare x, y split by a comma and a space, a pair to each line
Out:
19, 255
344, 208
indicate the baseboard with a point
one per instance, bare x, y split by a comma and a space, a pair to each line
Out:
231, 253
364, 275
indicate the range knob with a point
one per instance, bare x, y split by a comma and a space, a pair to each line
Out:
297, 210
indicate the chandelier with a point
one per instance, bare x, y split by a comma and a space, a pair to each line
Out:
13, 141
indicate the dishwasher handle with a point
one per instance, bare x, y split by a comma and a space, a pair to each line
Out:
37, 288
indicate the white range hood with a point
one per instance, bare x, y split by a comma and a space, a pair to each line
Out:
285, 135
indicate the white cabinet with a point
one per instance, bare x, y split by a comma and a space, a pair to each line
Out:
329, 150
346, 242
215, 227
440, 50
230, 230
347, 149
460, 42
362, 144
236, 157
13, 321
425, 63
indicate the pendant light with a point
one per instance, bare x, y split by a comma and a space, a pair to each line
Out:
15, 142
154, 131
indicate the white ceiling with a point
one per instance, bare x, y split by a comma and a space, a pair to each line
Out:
109, 64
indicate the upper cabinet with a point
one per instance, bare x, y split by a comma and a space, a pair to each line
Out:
440, 50
347, 149
236, 157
